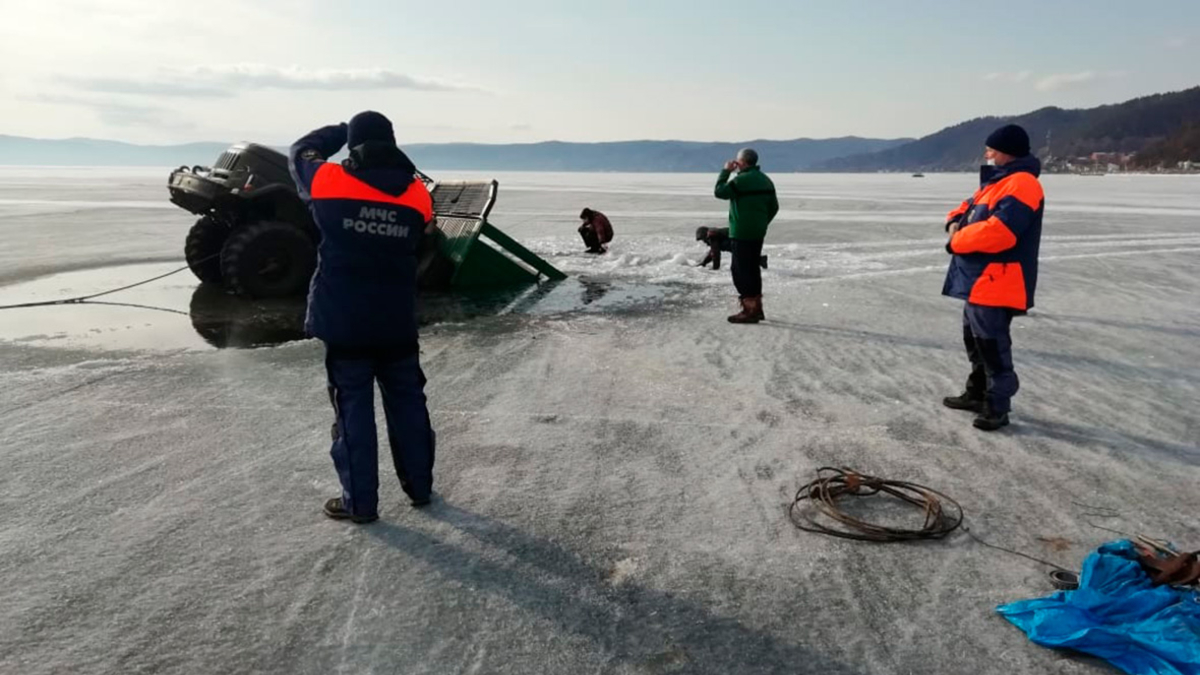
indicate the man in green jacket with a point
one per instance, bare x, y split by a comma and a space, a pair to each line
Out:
752, 206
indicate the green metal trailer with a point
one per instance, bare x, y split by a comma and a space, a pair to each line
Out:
467, 251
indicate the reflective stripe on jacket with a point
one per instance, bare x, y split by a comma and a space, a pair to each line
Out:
371, 222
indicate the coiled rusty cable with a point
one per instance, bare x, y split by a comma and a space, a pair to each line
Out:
943, 515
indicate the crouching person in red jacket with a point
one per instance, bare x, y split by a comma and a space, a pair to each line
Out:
596, 231
994, 238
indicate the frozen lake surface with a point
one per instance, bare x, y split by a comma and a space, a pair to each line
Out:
615, 460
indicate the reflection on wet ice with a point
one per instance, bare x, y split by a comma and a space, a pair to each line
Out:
151, 317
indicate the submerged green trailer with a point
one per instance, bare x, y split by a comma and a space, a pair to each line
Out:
468, 252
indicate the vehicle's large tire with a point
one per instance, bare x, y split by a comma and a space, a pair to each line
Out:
268, 259
202, 249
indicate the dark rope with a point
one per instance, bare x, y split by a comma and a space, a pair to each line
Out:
1013, 552
135, 305
84, 298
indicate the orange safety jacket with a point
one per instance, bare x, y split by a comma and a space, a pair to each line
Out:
995, 249
371, 222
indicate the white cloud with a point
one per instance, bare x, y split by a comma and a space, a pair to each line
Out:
1062, 80
119, 115
1015, 78
146, 87
1053, 81
229, 79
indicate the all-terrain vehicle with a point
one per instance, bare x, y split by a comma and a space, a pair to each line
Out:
256, 238
254, 235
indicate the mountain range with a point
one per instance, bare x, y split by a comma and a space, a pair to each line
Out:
646, 156
1158, 130
662, 156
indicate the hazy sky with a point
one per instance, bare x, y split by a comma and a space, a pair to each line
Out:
157, 71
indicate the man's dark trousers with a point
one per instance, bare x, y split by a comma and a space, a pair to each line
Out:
590, 238
745, 267
989, 347
352, 373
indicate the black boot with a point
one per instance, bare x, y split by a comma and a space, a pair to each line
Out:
418, 500
972, 397
989, 421
334, 508
967, 400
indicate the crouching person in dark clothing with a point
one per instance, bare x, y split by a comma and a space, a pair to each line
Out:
596, 231
994, 238
717, 239
371, 213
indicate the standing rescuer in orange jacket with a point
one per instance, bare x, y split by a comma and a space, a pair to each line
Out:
994, 238
372, 212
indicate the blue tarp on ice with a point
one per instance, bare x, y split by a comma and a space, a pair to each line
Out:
1118, 615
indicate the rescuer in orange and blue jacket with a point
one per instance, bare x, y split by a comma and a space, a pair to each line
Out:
994, 238
371, 212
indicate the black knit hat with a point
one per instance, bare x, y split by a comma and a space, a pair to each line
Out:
1010, 139
369, 126
701, 233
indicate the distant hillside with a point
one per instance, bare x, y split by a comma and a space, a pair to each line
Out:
1183, 146
90, 152
663, 156
1159, 123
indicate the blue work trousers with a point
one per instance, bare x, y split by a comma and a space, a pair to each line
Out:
353, 372
989, 348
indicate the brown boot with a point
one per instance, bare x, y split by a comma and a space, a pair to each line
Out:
757, 306
742, 315
747, 315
